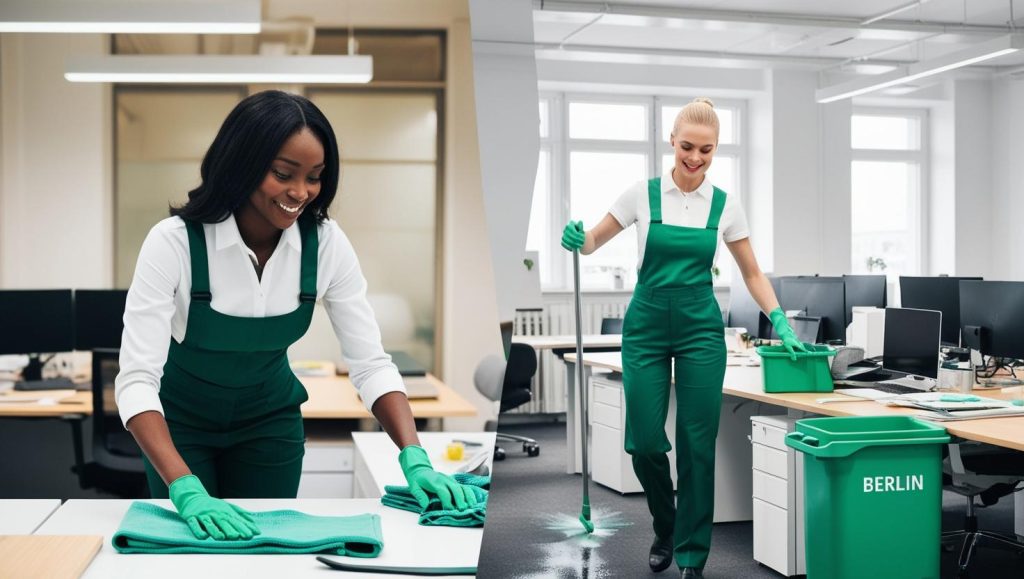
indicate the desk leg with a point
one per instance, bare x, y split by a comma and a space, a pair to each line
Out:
574, 446
75, 421
1018, 514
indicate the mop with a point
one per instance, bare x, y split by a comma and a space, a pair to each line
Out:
585, 515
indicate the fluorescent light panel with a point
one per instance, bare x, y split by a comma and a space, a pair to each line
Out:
131, 16
243, 69
925, 68
893, 12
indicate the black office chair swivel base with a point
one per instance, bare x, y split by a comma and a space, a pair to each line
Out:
530, 446
970, 537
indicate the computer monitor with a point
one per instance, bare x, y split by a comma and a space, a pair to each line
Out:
992, 317
864, 290
807, 328
35, 322
99, 318
936, 293
745, 313
823, 297
911, 342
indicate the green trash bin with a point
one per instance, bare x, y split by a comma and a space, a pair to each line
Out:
808, 373
872, 495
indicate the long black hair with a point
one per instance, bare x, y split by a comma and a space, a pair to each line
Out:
245, 146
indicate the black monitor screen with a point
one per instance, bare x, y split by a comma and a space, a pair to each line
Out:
823, 297
936, 293
997, 307
744, 311
99, 318
911, 342
864, 290
35, 321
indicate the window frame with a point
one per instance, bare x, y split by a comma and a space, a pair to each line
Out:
920, 202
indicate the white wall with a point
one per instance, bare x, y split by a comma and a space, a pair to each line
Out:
505, 80
1007, 130
974, 179
55, 192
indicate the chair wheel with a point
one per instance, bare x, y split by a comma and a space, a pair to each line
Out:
499, 453
531, 449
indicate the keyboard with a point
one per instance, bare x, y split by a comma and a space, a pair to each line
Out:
895, 388
45, 384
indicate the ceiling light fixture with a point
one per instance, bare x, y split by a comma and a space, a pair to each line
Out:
131, 16
241, 69
893, 12
978, 53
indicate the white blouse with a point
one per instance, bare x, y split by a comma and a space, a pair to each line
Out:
158, 300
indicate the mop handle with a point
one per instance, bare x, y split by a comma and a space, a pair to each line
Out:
579, 374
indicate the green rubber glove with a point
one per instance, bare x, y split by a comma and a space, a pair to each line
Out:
424, 479
207, 516
573, 236
786, 333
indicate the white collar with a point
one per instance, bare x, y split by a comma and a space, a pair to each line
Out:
225, 234
705, 189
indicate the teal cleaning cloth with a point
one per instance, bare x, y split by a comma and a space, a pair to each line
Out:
147, 528
399, 497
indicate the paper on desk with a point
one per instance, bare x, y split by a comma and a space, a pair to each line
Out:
19, 397
934, 400
975, 414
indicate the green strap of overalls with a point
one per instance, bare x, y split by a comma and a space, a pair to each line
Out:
654, 202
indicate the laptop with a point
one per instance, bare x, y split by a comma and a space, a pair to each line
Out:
910, 354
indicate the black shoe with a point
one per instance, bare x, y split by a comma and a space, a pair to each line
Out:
661, 554
691, 573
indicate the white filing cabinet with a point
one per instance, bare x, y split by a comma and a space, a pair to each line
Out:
612, 467
778, 496
327, 469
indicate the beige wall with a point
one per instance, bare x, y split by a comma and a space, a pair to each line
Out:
56, 188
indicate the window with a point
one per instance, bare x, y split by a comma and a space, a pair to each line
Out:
593, 147
888, 167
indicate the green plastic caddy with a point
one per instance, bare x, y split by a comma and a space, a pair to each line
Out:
808, 373
873, 496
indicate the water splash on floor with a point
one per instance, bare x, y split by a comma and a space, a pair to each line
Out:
606, 524
574, 553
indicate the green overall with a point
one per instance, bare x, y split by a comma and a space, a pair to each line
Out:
229, 395
674, 316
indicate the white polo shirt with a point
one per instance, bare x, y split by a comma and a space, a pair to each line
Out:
158, 300
690, 209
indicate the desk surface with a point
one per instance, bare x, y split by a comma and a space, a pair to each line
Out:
23, 516
569, 341
381, 455
745, 382
329, 397
405, 542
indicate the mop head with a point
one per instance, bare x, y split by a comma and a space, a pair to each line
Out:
585, 519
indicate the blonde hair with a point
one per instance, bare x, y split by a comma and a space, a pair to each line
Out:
699, 111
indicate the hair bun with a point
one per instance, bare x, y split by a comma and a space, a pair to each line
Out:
704, 100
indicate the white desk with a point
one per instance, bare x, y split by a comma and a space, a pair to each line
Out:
376, 458
405, 542
23, 516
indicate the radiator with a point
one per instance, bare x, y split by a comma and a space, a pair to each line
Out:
557, 317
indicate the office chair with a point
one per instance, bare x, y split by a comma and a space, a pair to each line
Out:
116, 465
508, 383
990, 474
611, 326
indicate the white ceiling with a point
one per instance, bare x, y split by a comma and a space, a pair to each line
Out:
825, 35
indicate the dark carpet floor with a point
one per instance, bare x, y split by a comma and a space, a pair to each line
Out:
532, 531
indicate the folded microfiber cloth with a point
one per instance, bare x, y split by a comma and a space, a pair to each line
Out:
399, 497
147, 528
